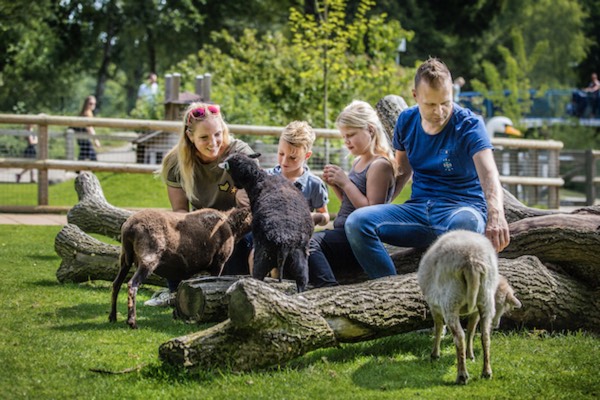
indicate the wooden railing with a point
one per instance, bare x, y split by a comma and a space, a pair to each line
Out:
551, 179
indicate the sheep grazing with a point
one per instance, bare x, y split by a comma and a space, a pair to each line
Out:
281, 221
175, 246
458, 275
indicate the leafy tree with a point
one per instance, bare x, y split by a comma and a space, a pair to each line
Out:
510, 90
270, 79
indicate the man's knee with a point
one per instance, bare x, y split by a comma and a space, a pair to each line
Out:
467, 219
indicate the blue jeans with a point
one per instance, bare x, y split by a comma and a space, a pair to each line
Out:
412, 224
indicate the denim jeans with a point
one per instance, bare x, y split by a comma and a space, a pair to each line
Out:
412, 224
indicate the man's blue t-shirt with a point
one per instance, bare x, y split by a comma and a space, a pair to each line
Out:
442, 164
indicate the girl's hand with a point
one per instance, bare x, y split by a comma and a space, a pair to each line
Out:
334, 175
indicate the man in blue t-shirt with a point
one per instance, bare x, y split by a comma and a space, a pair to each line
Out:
445, 149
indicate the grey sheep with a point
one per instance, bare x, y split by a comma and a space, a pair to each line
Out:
175, 246
281, 222
458, 275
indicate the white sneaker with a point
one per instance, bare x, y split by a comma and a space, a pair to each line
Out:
162, 298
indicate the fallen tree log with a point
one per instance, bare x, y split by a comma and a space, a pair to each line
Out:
266, 328
93, 214
201, 300
564, 242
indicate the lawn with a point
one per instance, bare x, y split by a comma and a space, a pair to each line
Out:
53, 336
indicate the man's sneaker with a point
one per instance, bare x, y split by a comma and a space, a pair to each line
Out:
162, 298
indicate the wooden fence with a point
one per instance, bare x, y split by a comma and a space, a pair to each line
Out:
541, 171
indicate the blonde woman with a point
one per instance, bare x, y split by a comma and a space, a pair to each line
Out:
194, 180
370, 181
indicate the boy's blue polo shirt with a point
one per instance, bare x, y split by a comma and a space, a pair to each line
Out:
311, 186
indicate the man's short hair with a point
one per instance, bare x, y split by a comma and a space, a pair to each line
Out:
434, 72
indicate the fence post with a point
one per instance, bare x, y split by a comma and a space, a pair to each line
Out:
590, 173
43, 172
553, 172
69, 144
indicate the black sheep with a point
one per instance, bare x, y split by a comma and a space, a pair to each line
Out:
281, 221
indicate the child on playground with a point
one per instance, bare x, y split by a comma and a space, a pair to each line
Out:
371, 181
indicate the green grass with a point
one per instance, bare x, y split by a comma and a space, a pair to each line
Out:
53, 334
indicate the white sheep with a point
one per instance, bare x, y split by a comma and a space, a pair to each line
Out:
458, 275
175, 246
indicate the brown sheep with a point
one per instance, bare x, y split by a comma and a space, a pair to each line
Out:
175, 246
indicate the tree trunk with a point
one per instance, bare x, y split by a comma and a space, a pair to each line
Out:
267, 328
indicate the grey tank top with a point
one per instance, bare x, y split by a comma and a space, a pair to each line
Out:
360, 180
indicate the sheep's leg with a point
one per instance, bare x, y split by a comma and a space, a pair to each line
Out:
438, 327
262, 263
471, 327
297, 268
118, 282
453, 322
144, 269
487, 315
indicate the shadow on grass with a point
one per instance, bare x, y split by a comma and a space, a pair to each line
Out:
158, 319
384, 374
415, 344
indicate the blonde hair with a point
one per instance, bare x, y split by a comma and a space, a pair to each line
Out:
359, 114
183, 156
299, 134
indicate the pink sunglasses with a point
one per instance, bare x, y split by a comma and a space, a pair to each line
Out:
201, 113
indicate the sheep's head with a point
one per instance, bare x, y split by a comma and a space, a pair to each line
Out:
240, 220
244, 169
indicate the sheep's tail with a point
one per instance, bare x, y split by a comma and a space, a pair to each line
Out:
473, 273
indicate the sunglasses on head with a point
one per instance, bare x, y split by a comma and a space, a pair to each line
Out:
202, 112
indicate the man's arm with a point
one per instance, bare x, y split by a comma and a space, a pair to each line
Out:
404, 172
497, 228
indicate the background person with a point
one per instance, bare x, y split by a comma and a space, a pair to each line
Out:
457, 87
448, 154
370, 181
86, 145
29, 152
148, 90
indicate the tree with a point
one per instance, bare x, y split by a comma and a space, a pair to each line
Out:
271, 79
510, 90
560, 23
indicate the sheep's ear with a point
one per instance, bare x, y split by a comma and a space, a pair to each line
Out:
255, 155
224, 165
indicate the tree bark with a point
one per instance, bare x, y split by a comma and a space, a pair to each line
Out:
267, 328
